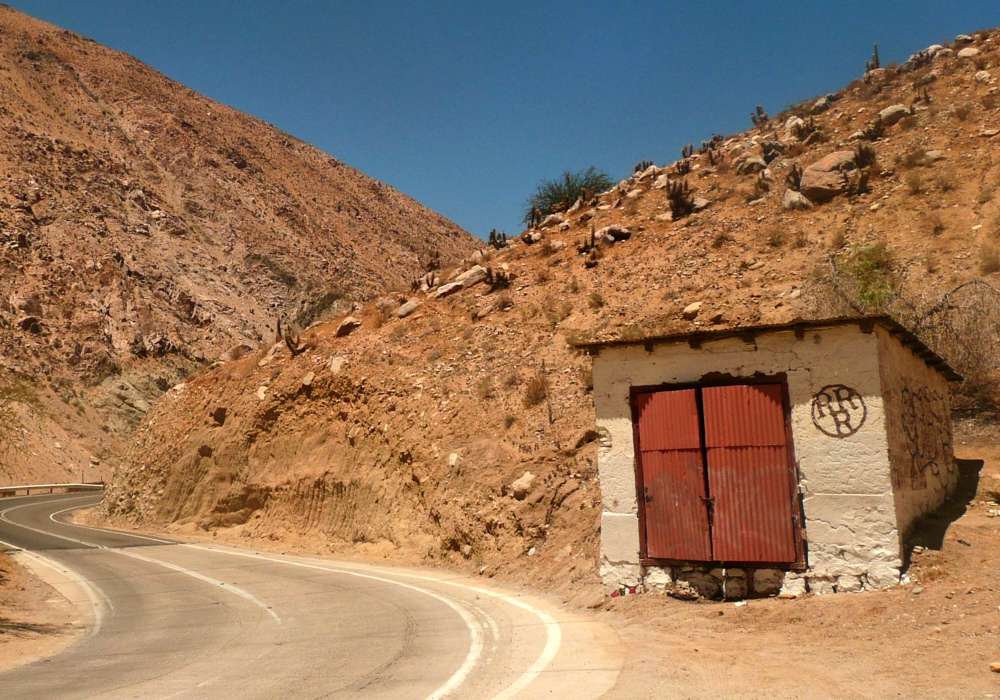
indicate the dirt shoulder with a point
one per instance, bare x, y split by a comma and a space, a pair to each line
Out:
36, 621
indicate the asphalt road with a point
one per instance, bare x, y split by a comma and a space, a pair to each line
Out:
176, 620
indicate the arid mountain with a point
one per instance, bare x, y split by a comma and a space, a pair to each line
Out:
411, 436
145, 229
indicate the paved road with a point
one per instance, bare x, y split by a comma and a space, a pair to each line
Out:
193, 621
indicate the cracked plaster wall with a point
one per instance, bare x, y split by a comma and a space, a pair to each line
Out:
846, 483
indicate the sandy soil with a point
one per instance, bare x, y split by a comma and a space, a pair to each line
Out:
36, 621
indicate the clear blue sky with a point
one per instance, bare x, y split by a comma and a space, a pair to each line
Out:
466, 106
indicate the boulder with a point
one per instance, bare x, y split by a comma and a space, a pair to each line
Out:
963, 39
968, 52
552, 220
661, 181
522, 486
795, 201
558, 245
826, 178
982, 76
347, 326
387, 304
891, 115
944, 53
408, 308
753, 164
613, 234
820, 105
699, 203
473, 275
691, 311
446, 290
933, 49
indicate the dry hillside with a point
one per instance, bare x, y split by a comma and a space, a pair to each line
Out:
145, 229
405, 436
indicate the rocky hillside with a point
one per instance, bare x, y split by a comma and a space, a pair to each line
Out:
453, 424
146, 230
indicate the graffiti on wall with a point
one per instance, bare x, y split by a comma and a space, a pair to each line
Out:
838, 411
925, 422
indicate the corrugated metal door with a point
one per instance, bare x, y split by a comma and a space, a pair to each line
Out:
747, 458
673, 475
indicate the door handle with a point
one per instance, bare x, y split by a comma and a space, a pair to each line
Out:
646, 495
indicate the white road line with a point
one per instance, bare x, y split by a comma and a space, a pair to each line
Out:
552, 628
73, 576
475, 648
235, 590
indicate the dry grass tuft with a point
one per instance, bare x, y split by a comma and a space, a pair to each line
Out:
914, 182
535, 391
945, 182
484, 388
935, 224
720, 239
774, 236
989, 259
595, 300
907, 122
962, 112
838, 240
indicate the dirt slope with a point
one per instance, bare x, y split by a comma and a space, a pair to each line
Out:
145, 229
405, 438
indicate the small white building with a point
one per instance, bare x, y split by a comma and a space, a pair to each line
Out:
754, 460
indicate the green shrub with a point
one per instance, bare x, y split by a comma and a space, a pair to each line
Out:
871, 268
562, 192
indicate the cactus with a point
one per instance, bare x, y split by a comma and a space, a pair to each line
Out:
434, 261
679, 198
687, 151
861, 185
771, 150
714, 157
293, 339
864, 155
497, 279
759, 119
794, 178
873, 64
801, 131
683, 167
643, 165
497, 240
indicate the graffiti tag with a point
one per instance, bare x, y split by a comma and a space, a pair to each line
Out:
925, 424
838, 411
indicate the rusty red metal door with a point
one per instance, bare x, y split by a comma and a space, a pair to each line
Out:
746, 449
672, 468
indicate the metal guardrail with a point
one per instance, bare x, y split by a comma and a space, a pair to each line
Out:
7, 491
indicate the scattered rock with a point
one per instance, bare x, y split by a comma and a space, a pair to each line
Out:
995, 667
347, 326
691, 311
408, 308
891, 115
446, 290
466, 550
989, 133
522, 486
793, 200
820, 105
661, 181
558, 245
308, 379
934, 156
261, 392
699, 203
968, 52
982, 76
336, 364
963, 39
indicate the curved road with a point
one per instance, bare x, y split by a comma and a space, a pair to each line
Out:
176, 620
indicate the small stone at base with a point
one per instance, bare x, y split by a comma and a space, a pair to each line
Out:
995, 667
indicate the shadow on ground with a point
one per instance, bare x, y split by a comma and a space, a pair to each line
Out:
929, 531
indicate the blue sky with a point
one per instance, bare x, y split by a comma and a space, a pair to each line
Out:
466, 106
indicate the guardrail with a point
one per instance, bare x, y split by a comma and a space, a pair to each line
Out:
7, 491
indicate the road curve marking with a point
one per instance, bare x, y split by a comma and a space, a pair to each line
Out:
235, 590
552, 628
475, 631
